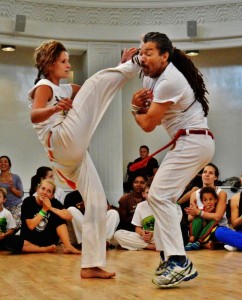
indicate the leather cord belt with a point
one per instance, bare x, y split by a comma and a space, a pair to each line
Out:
143, 163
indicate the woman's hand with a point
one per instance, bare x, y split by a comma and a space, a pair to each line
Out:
46, 204
64, 104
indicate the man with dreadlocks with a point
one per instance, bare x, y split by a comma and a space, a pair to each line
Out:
173, 95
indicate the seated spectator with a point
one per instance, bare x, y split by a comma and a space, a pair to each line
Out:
76, 207
129, 201
232, 238
200, 228
13, 184
144, 222
209, 176
7, 222
149, 170
43, 223
45, 173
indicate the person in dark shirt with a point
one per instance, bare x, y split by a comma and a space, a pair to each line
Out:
129, 201
149, 170
43, 223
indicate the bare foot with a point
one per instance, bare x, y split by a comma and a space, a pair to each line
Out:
209, 245
50, 249
71, 250
96, 272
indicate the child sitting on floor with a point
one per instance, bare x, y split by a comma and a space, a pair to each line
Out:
200, 228
7, 222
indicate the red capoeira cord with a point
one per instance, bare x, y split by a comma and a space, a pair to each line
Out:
143, 163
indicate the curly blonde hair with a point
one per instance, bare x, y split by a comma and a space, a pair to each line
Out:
45, 55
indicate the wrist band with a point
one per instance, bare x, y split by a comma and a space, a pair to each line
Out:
200, 213
135, 108
42, 213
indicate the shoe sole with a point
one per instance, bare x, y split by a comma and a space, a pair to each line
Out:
186, 278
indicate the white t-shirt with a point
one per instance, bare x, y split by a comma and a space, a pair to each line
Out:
143, 216
172, 86
6, 220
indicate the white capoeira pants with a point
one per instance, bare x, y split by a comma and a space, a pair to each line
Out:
191, 153
69, 143
130, 240
112, 221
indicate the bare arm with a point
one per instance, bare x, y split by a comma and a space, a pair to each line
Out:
193, 210
75, 90
7, 233
187, 196
236, 219
62, 213
39, 111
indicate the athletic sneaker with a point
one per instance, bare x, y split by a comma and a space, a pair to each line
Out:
174, 273
161, 268
193, 246
188, 247
230, 248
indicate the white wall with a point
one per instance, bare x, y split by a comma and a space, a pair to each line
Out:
222, 71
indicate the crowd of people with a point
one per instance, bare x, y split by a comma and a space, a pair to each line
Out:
129, 226
151, 213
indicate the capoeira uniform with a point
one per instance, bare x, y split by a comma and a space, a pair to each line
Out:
190, 154
66, 137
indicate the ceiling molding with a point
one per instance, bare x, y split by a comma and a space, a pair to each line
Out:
124, 21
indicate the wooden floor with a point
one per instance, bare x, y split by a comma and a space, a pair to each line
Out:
56, 276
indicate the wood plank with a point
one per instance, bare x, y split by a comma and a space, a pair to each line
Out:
57, 276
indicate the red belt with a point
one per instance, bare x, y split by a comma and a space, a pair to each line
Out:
197, 131
143, 163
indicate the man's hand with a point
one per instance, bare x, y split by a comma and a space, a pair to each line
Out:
142, 98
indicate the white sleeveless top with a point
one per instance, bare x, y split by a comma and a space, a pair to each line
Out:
62, 91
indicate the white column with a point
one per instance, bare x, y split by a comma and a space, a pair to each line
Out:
106, 147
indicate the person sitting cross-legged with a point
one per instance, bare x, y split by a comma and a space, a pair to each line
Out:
232, 237
143, 220
75, 206
201, 229
43, 223
7, 222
